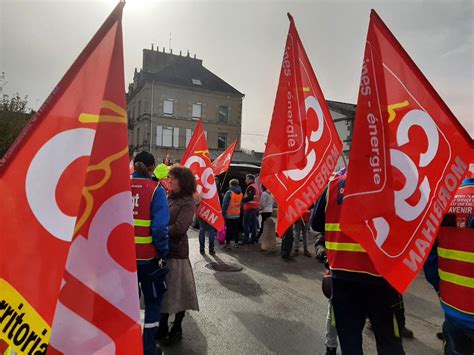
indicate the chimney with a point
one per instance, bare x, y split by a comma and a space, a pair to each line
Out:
195, 56
188, 53
171, 51
180, 53
152, 46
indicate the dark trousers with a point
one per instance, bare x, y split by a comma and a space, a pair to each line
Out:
459, 338
287, 242
232, 232
265, 216
353, 302
251, 226
206, 228
153, 285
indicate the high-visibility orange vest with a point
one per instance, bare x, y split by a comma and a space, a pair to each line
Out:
456, 268
234, 204
255, 203
343, 253
142, 195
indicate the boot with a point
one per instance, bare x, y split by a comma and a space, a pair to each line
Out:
330, 351
406, 333
176, 333
162, 327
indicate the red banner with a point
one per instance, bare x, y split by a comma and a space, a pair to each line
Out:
408, 156
222, 163
67, 188
196, 157
285, 147
297, 189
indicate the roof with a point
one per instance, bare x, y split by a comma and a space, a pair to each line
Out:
239, 157
187, 72
342, 107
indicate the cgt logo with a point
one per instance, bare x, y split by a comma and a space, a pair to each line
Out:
206, 184
418, 158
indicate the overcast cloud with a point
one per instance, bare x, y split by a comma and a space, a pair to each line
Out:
242, 42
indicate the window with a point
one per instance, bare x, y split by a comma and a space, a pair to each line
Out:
168, 106
197, 110
196, 82
189, 134
223, 114
221, 140
139, 108
167, 136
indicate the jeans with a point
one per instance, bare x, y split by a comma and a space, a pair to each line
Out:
251, 226
459, 338
301, 227
353, 301
153, 288
210, 230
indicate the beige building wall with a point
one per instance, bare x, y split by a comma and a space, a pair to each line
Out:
180, 122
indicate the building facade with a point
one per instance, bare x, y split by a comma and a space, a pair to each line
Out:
167, 98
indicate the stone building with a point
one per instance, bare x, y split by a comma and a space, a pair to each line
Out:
168, 96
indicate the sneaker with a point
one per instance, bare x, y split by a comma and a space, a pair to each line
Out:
307, 253
287, 257
202, 251
330, 351
406, 333
212, 252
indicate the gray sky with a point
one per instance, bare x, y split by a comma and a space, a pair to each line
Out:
242, 42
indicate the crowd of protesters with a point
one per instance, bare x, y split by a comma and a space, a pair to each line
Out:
164, 204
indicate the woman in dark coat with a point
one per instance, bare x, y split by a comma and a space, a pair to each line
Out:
181, 295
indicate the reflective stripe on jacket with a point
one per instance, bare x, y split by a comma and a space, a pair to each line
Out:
142, 195
343, 253
255, 203
456, 269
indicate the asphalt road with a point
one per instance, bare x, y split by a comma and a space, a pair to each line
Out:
277, 307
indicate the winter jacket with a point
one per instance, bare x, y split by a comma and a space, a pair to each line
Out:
266, 202
226, 201
182, 209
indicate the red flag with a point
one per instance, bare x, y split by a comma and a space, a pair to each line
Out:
285, 147
67, 188
408, 156
196, 157
296, 189
222, 163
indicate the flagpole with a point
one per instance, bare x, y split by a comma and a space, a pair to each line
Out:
222, 183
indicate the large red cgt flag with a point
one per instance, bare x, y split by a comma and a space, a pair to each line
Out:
285, 148
196, 157
408, 156
66, 193
297, 189
222, 163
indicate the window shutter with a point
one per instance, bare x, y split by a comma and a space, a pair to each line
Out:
159, 135
176, 137
188, 136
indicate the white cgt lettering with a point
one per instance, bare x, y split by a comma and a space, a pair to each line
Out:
311, 103
207, 177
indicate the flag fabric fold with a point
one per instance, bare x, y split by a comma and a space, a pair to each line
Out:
296, 189
408, 156
67, 188
222, 163
196, 157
